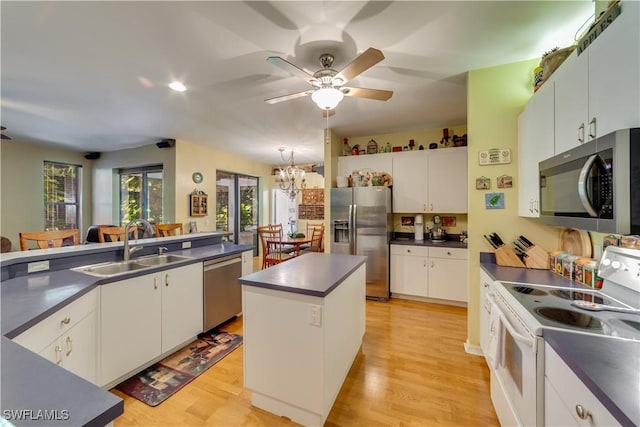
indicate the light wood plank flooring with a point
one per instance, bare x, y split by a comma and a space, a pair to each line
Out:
412, 371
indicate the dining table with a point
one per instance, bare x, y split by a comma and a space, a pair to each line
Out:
296, 242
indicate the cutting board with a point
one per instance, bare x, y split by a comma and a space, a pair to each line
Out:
577, 242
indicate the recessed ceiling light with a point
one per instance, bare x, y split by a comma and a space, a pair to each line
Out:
177, 86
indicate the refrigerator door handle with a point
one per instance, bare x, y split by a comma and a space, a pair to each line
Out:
353, 246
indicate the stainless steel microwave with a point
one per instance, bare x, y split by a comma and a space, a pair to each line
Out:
595, 186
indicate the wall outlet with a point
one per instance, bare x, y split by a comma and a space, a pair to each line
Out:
33, 267
186, 245
315, 315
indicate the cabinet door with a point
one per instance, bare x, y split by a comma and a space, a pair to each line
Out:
447, 180
614, 73
79, 348
182, 315
130, 319
535, 143
448, 279
485, 309
571, 102
247, 263
410, 188
409, 271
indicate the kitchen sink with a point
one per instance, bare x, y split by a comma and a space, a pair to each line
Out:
154, 260
110, 269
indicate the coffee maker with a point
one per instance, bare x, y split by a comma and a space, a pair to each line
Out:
438, 233
418, 228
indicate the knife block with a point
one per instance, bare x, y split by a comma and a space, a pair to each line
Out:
537, 258
506, 257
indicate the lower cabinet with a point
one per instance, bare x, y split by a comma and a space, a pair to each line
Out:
144, 317
68, 337
422, 271
567, 401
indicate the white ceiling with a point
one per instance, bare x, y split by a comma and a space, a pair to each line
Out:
92, 76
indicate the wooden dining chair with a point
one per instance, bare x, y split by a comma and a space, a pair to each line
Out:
114, 234
317, 234
272, 247
164, 230
49, 239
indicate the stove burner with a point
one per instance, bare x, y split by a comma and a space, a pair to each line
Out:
528, 290
632, 323
575, 295
570, 317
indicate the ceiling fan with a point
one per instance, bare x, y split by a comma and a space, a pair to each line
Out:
328, 89
2, 135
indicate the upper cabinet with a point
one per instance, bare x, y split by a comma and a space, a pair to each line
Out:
430, 181
535, 143
447, 180
598, 91
410, 190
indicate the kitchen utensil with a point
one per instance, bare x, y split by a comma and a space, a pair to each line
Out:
497, 238
493, 245
526, 241
576, 242
594, 306
520, 247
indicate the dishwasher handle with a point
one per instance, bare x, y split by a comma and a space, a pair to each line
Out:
213, 264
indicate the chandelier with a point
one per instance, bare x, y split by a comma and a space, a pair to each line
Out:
291, 178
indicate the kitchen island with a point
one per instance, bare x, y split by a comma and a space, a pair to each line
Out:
304, 321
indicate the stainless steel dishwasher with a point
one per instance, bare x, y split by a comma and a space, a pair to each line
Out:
222, 292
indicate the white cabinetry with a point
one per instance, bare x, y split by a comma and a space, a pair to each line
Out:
535, 143
422, 271
68, 337
595, 93
409, 270
448, 275
485, 309
247, 262
447, 180
147, 316
410, 176
567, 401
373, 162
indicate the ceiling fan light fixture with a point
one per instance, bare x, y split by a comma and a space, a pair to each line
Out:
327, 98
177, 86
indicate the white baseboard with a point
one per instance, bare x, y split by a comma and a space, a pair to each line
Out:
473, 349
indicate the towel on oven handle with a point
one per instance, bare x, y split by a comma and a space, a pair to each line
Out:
494, 345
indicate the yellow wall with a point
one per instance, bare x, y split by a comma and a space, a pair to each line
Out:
495, 98
22, 188
421, 137
191, 158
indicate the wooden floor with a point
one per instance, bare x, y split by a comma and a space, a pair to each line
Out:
412, 371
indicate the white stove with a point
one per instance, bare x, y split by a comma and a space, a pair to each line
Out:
521, 312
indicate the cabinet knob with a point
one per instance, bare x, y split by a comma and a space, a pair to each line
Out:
582, 413
58, 351
166, 280
155, 283
449, 253
581, 133
592, 128
408, 251
66, 321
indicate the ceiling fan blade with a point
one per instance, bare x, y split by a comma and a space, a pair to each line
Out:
291, 69
362, 63
361, 92
328, 113
3, 136
288, 97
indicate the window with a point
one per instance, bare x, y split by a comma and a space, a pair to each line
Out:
62, 190
141, 194
237, 207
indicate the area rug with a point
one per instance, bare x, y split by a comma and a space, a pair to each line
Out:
160, 381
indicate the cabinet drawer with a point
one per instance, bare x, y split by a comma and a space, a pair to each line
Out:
409, 250
42, 334
452, 253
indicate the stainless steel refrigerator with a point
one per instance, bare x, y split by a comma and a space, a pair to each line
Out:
362, 224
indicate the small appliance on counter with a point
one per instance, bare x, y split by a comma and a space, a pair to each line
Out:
419, 230
438, 234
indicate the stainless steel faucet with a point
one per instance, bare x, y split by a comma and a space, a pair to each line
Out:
127, 251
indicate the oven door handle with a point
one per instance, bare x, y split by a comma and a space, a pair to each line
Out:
512, 331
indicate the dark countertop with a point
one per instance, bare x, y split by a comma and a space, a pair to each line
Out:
427, 242
31, 382
608, 366
315, 274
